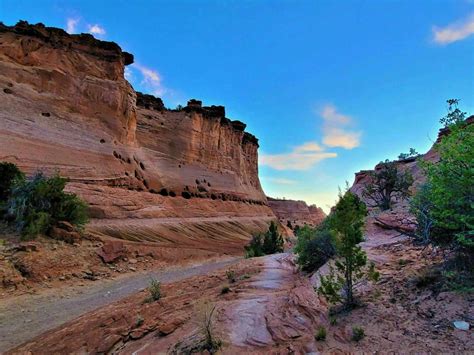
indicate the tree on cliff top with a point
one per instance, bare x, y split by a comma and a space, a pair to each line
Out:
386, 183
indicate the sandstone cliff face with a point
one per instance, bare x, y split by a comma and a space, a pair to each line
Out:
66, 106
297, 212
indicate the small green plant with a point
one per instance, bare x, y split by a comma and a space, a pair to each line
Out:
225, 289
358, 333
230, 274
411, 154
139, 321
206, 325
320, 334
154, 289
332, 320
245, 277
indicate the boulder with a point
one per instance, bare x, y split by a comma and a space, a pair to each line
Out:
66, 232
111, 251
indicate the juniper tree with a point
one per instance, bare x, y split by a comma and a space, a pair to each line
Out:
347, 223
386, 183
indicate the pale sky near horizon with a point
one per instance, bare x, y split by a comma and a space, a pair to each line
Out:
328, 87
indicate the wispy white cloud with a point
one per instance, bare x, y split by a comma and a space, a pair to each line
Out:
128, 74
71, 25
335, 132
302, 157
454, 32
96, 29
280, 181
151, 79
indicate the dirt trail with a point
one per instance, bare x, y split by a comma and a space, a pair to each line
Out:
24, 317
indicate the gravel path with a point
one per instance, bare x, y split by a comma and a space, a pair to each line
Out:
27, 316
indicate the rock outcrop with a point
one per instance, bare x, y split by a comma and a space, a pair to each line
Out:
67, 108
399, 217
296, 212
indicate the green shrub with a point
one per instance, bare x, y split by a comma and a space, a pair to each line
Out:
225, 289
139, 321
358, 333
230, 274
320, 334
255, 247
314, 247
38, 204
9, 176
269, 243
450, 184
154, 288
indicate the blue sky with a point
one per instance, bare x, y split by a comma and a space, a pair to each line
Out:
329, 87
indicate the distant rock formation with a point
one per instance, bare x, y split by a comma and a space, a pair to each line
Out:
296, 213
67, 107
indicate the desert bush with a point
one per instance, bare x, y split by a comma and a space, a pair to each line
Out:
314, 247
38, 204
9, 176
320, 334
206, 325
358, 333
225, 289
154, 289
139, 321
346, 223
421, 206
269, 243
230, 274
387, 183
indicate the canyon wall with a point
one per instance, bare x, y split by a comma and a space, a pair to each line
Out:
296, 212
147, 172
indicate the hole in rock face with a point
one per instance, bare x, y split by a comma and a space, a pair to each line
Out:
153, 191
213, 196
209, 184
172, 194
142, 166
145, 183
163, 192
45, 114
186, 195
127, 174
197, 181
8, 91
179, 166
102, 141
10, 85
115, 154
129, 161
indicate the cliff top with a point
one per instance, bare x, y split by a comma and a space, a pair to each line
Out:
83, 42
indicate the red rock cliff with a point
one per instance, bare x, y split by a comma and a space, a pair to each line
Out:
297, 212
66, 106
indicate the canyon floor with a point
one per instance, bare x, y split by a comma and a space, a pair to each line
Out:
270, 308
